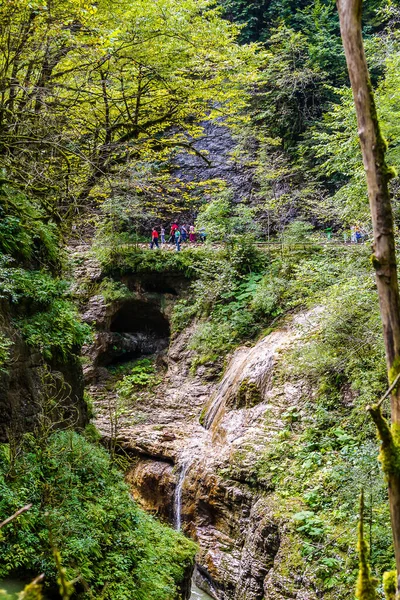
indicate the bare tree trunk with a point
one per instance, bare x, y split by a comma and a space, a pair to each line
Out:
373, 148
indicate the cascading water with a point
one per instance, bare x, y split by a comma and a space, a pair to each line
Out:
253, 364
196, 593
178, 496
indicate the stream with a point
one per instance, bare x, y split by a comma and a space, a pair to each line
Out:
198, 594
14, 586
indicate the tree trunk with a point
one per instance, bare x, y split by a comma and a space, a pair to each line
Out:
373, 148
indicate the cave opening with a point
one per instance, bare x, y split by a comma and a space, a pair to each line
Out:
138, 328
138, 316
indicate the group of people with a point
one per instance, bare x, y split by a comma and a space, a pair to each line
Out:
358, 235
178, 234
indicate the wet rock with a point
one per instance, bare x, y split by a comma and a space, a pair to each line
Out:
27, 382
240, 538
153, 485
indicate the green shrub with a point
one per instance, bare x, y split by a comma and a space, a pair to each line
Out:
297, 232
113, 291
182, 315
221, 219
141, 375
103, 538
25, 232
5, 345
212, 340
40, 287
57, 331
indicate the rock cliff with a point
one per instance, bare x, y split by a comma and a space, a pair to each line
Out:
31, 386
193, 454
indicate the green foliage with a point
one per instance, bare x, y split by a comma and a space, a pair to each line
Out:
221, 220
221, 297
56, 332
297, 232
48, 320
113, 291
309, 523
179, 57
390, 585
141, 375
5, 345
40, 287
240, 291
366, 586
112, 545
120, 259
25, 233
334, 142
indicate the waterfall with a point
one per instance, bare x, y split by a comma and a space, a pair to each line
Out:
178, 496
252, 364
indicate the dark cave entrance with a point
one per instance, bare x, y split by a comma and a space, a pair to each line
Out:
138, 328
139, 316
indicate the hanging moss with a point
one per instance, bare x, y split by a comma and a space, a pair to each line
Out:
366, 584
248, 394
389, 454
389, 585
394, 370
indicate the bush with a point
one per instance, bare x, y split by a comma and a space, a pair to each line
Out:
141, 375
104, 539
40, 287
57, 332
221, 219
25, 233
113, 291
50, 321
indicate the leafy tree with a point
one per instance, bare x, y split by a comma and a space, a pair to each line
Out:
222, 221
334, 143
91, 91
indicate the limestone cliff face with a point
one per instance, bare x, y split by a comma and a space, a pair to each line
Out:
28, 383
195, 440
193, 458
217, 143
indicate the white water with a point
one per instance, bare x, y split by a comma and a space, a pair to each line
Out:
178, 496
247, 363
198, 594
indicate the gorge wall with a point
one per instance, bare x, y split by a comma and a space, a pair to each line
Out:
31, 386
194, 442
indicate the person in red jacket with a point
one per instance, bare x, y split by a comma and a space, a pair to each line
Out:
154, 238
171, 239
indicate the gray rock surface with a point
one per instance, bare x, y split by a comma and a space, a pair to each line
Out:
234, 523
27, 381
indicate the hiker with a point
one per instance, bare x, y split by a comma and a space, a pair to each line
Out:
202, 235
162, 235
192, 234
177, 236
174, 227
184, 233
358, 236
154, 238
353, 235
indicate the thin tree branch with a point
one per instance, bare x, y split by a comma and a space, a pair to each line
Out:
15, 515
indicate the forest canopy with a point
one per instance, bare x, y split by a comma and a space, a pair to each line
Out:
99, 97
